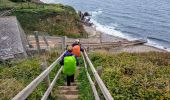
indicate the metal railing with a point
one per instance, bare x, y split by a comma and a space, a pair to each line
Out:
22, 95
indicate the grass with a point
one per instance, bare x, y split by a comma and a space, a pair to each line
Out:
135, 76
20, 73
17, 77
49, 19
54, 20
143, 76
6, 4
85, 91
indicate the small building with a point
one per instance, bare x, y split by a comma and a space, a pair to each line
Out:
13, 40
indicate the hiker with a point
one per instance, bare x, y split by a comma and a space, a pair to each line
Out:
77, 48
69, 60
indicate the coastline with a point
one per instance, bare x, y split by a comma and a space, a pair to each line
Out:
94, 34
97, 35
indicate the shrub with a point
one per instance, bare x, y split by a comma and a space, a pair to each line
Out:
20, 73
136, 75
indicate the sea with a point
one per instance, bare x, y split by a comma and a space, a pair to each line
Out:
129, 19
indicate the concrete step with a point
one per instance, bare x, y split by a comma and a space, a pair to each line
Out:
67, 97
72, 84
68, 92
67, 87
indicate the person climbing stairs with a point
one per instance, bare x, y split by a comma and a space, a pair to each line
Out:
69, 92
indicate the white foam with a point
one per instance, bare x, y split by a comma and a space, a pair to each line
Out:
157, 45
107, 29
110, 30
96, 13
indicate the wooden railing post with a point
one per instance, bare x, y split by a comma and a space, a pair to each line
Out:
99, 70
48, 91
46, 79
46, 42
101, 38
37, 41
64, 42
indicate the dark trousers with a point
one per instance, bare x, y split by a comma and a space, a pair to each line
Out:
70, 79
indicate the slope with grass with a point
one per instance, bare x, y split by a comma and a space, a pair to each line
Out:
85, 91
16, 75
54, 19
135, 76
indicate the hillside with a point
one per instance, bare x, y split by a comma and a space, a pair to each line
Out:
136, 75
128, 76
54, 19
17, 74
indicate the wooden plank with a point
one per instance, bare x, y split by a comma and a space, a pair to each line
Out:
91, 82
102, 86
46, 94
22, 95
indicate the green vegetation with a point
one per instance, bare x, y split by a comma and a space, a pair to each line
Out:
135, 76
85, 91
18, 74
54, 19
6, 4
127, 76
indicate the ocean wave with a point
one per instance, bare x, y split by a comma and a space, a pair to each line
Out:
96, 13
159, 43
160, 40
111, 30
156, 43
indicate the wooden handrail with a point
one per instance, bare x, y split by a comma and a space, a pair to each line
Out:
102, 86
22, 95
90, 80
46, 94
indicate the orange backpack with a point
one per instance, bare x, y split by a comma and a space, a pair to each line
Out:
76, 50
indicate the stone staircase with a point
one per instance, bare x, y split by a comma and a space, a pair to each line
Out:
68, 92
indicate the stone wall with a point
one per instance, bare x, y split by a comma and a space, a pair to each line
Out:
12, 38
